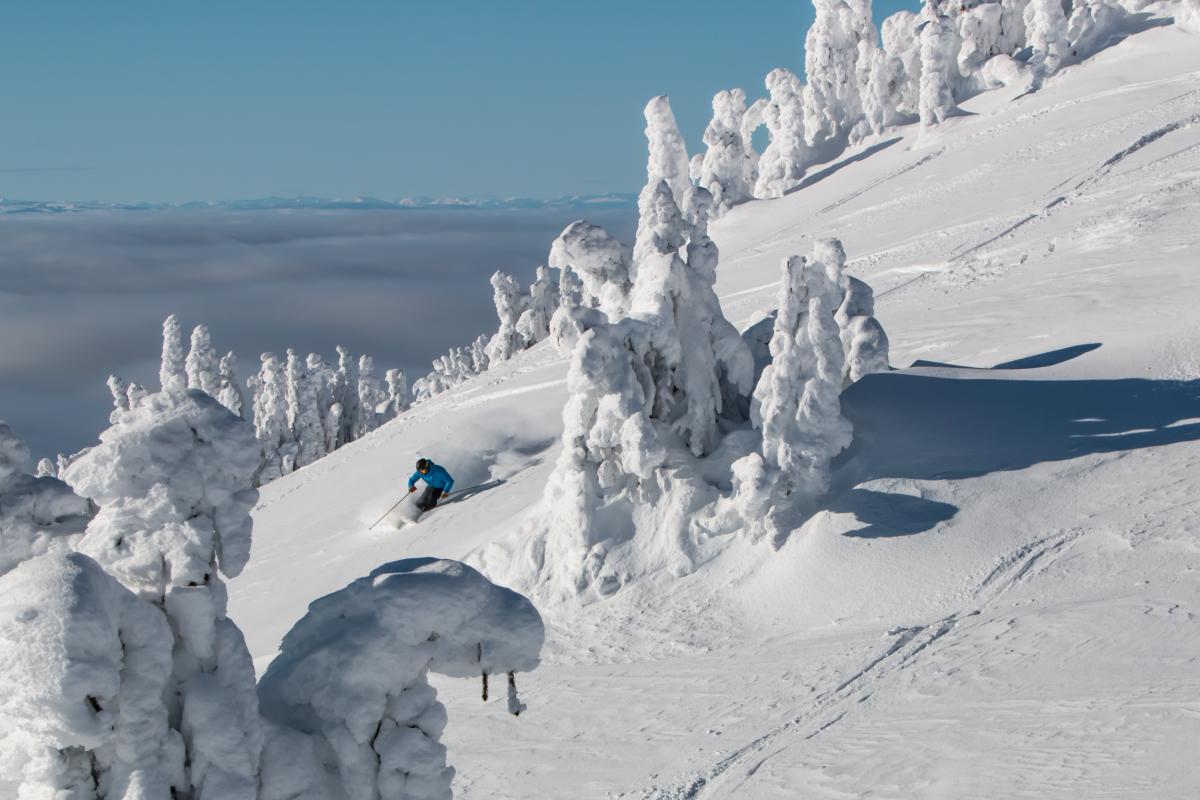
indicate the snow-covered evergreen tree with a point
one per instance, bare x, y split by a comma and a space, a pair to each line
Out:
864, 342
370, 397
201, 363
534, 324
901, 45
1093, 25
982, 35
782, 164
479, 357
833, 109
229, 394
134, 392
1046, 34
270, 419
343, 390
796, 402
37, 514
397, 393
506, 293
602, 264
173, 480
86, 667
339, 719
882, 95
172, 374
937, 93
304, 412
120, 394
723, 166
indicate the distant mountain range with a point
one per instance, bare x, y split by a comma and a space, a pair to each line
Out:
610, 200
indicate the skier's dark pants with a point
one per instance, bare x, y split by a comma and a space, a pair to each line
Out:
428, 498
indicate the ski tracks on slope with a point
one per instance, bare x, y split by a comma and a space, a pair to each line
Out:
727, 776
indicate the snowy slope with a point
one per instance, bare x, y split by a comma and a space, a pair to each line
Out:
1001, 600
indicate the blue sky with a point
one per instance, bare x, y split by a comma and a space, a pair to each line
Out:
152, 101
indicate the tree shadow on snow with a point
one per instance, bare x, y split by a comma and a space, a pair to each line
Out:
1048, 359
888, 515
809, 180
934, 428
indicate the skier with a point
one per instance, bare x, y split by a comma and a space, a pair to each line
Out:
437, 483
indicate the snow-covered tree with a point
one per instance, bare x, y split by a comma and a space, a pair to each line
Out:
172, 374
173, 480
120, 394
796, 402
1187, 15
229, 394
534, 323
397, 393
343, 389
782, 164
340, 720
1093, 25
1046, 34
667, 159
937, 93
882, 95
602, 264
201, 363
980, 29
902, 51
134, 393
270, 419
370, 397
836, 80
321, 378
506, 293
703, 353
723, 167
864, 342
45, 469
304, 412
572, 317
37, 514
752, 120
86, 666
479, 357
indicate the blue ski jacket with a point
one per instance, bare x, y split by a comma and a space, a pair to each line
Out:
437, 477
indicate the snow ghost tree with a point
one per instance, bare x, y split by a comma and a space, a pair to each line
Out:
723, 167
704, 358
229, 394
797, 401
271, 421
864, 342
835, 78
937, 94
173, 479
1093, 25
172, 374
86, 664
902, 52
881, 96
667, 165
397, 393
339, 720
786, 157
120, 394
370, 397
534, 323
344, 393
303, 412
479, 356
981, 33
201, 363
1046, 34
506, 293
601, 263
752, 120
37, 514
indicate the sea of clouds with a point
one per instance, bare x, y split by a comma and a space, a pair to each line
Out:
83, 295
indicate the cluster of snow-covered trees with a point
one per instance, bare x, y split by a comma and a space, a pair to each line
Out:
124, 678
917, 68
663, 391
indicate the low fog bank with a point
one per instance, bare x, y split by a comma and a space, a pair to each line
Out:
83, 296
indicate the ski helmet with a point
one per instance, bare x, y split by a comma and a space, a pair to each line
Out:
422, 464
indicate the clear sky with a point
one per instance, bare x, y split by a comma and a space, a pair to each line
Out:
164, 101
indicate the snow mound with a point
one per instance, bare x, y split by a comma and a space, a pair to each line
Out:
352, 676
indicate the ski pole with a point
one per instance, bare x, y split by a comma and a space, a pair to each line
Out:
390, 510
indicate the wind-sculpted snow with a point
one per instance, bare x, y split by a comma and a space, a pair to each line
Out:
85, 666
349, 692
37, 514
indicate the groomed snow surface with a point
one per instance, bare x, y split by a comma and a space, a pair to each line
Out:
999, 599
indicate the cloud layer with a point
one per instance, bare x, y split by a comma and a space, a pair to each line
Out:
83, 296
